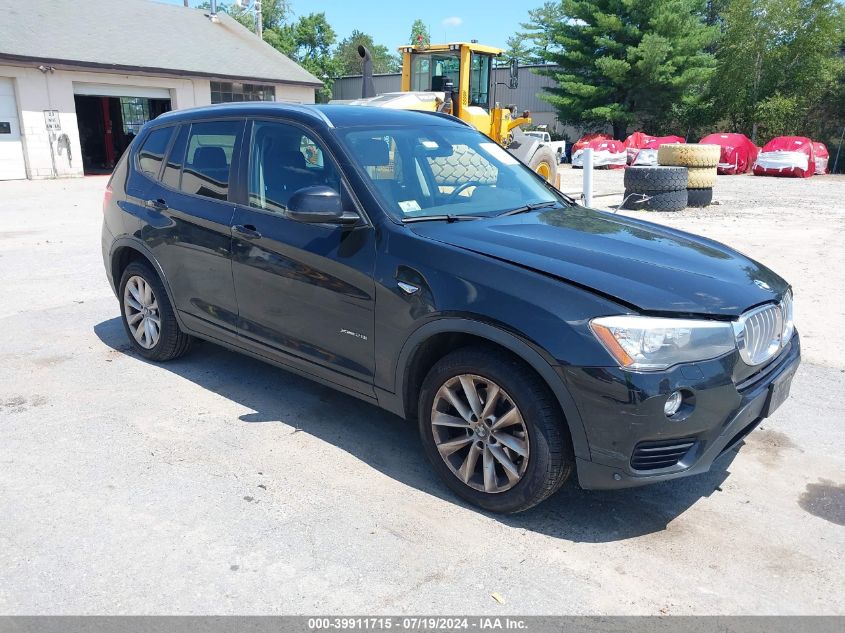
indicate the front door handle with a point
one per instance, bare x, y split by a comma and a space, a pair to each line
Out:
158, 204
247, 231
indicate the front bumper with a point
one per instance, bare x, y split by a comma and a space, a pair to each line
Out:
624, 419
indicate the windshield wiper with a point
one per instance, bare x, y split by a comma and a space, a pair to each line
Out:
447, 217
529, 207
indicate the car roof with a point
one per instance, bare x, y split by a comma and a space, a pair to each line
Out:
360, 115
324, 115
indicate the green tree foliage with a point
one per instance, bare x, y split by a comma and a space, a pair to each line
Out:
419, 33
308, 41
539, 31
779, 70
519, 48
627, 62
348, 62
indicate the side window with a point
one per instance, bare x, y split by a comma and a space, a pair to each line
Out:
173, 167
208, 159
152, 151
283, 159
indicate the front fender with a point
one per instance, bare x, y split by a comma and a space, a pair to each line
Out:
395, 402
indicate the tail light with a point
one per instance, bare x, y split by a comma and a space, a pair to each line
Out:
106, 197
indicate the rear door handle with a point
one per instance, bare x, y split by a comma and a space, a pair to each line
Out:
158, 204
247, 231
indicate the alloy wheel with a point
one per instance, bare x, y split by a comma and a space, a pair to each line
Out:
480, 433
141, 312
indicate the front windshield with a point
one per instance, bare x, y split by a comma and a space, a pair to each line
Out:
443, 170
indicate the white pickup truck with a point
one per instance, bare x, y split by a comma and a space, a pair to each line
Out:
545, 138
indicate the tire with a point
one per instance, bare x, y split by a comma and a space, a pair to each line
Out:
462, 165
701, 177
699, 197
688, 155
171, 341
655, 178
655, 200
544, 162
545, 465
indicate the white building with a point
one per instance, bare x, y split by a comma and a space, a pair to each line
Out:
79, 77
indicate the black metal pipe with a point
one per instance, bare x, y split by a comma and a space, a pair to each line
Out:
368, 88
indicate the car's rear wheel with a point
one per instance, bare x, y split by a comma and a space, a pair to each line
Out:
493, 430
147, 315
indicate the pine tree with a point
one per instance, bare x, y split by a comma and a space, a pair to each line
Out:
419, 33
518, 49
630, 62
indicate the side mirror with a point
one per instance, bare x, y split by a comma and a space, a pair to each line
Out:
319, 205
514, 74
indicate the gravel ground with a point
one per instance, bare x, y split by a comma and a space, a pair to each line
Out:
217, 484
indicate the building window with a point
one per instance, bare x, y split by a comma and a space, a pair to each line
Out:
228, 91
135, 112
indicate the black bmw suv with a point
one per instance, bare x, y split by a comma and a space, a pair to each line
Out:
406, 259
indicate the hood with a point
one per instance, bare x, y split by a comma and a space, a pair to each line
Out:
646, 266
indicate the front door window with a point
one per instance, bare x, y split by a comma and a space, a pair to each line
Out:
284, 159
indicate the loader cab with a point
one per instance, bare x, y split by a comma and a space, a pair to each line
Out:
476, 97
467, 66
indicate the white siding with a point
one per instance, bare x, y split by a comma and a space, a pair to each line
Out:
294, 94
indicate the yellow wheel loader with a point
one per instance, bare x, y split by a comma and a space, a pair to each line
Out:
458, 79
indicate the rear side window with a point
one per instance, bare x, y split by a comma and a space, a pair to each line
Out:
173, 168
208, 159
152, 151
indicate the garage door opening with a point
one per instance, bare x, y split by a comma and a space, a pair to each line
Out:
108, 124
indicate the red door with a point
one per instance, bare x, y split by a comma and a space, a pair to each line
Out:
108, 134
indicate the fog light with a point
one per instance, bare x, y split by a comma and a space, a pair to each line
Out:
673, 403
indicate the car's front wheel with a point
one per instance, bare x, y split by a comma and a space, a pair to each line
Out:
492, 430
147, 315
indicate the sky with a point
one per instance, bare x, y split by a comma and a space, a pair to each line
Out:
389, 21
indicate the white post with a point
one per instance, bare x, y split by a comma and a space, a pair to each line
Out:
588, 177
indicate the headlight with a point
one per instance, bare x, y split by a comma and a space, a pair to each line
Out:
788, 310
651, 343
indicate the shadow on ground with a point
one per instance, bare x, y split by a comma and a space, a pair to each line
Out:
391, 445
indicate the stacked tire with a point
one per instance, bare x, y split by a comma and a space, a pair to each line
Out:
700, 162
655, 188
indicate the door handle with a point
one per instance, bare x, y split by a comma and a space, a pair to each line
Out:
158, 204
247, 231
